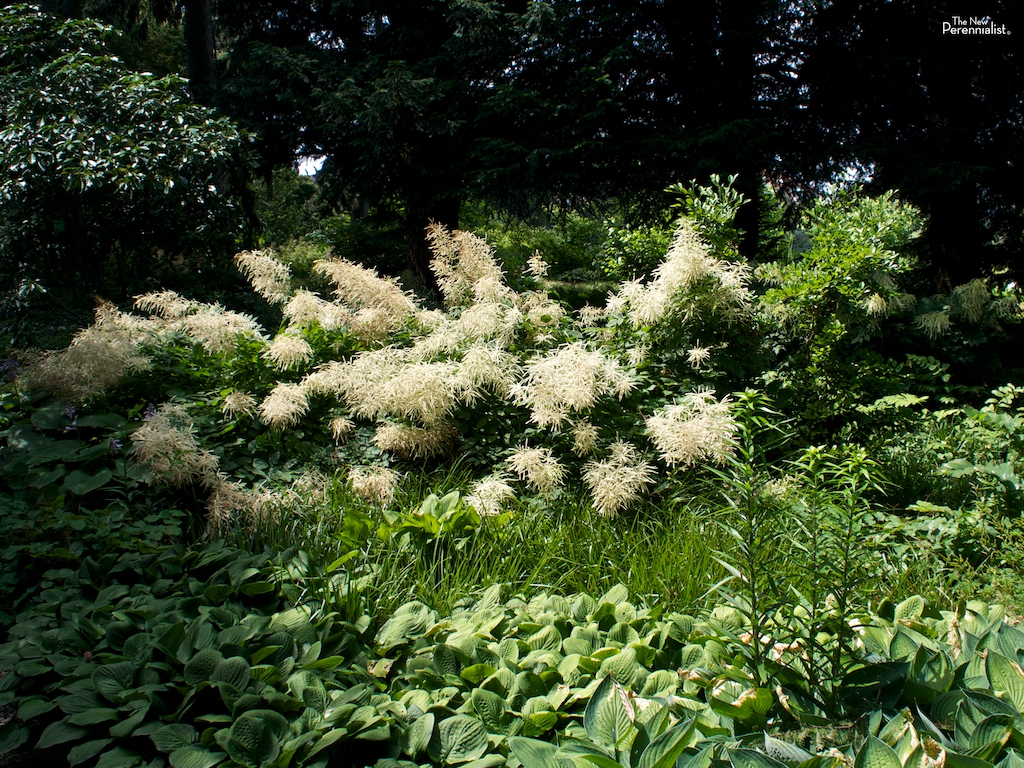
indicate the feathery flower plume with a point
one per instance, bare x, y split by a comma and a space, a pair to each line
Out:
423, 392
488, 496
305, 308
541, 312
584, 438
538, 467
616, 482
590, 316
722, 285
416, 442
96, 359
362, 288
1007, 305
485, 367
284, 406
166, 445
934, 324
374, 484
237, 403
229, 501
637, 354
372, 323
972, 298
698, 355
166, 304
492, 289
489, 320
289, 351
341, 428
876, 305
269, 277
461, 260
567, 380
442, 341
217, 329
536, 265
698, 428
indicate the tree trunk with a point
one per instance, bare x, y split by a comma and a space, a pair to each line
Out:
201, 64
417, 250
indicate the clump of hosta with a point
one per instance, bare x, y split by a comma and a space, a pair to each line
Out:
97, 358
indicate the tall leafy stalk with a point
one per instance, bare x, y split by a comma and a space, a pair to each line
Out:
755, 525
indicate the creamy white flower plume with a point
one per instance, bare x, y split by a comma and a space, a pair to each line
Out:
284, 406
271, 279
538, 467
461, 262
362, 288
699, 428
289, 351
616, 482
569, 380
488, 496
237, 403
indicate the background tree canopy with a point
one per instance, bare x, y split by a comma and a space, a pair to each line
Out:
109, 175
419, 107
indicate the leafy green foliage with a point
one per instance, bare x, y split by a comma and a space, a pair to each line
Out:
110, 175
190, 656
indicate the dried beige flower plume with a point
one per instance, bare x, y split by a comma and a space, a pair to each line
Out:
374, 484
362, 288
166, 445
96, 359
417, 442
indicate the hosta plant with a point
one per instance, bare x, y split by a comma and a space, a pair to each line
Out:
187, 658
